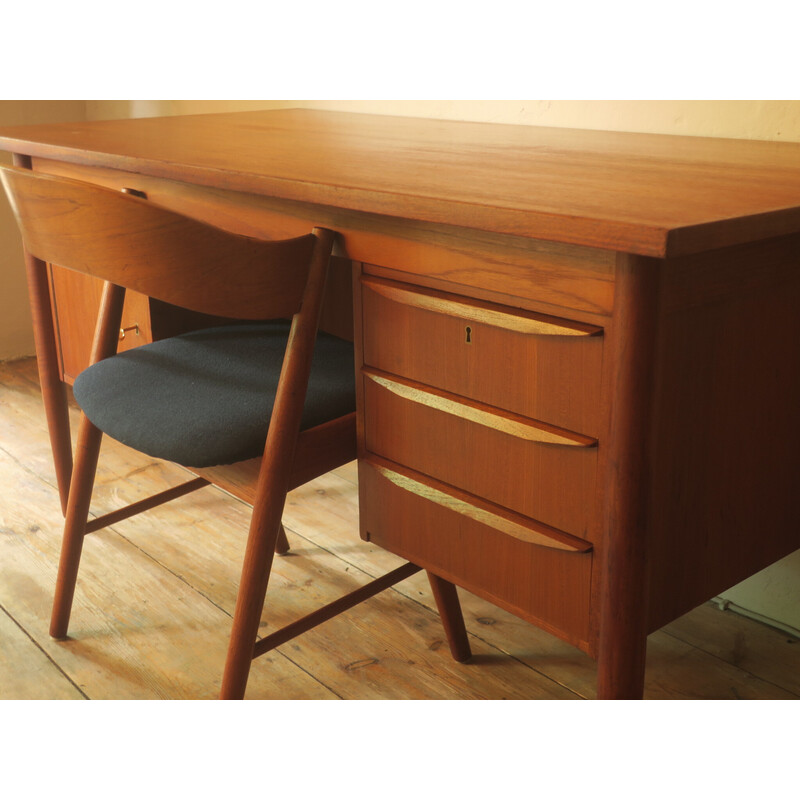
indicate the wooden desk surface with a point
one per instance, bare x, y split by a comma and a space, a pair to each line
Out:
651, 195
692, 493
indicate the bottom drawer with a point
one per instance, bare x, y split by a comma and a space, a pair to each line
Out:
480, 547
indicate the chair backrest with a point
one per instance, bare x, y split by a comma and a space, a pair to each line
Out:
131, 242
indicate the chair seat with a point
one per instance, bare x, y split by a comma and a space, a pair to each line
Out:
205, 398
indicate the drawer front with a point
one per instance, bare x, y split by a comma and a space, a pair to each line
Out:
539, 367
76, 303
542, 473
479, 548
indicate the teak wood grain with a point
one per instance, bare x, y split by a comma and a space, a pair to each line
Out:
263, 279
619, 191
623, 554
546, 376
532, 472
50, 371
627, 302
76, 300
479, 551
725, 475
529, 273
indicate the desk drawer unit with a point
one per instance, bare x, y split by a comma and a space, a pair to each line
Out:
479, 447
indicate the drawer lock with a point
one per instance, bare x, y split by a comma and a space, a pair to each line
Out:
134, 192
469, 334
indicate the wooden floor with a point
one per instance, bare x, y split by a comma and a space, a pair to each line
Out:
155, 596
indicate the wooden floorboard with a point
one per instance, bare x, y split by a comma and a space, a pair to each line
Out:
40, 679
155, 596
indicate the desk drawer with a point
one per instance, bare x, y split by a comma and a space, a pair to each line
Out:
543, 473
500, 556
540, 367
76, 303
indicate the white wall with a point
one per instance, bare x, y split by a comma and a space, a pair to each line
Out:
777, 120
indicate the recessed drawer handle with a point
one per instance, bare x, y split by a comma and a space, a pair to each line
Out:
501, 421
480, 312
564, 541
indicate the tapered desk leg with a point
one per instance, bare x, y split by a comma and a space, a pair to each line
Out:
623, 554
446, 597
54, 392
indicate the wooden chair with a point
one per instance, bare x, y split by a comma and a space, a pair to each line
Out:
272, 398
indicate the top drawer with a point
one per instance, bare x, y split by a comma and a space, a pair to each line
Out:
541, 367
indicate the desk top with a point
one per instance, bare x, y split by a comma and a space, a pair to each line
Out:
654, 195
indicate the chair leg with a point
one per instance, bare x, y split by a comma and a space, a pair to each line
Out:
446, 598
274, 476
257, 566
80, 495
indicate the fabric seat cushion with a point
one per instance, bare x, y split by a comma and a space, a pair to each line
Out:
205, 398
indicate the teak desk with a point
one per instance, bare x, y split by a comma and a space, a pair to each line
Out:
577, 351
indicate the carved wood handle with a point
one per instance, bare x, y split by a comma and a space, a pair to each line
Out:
542, 535
503, 421
476, 311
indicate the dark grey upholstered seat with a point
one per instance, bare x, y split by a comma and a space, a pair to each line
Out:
205, 398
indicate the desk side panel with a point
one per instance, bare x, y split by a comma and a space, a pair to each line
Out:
726, 478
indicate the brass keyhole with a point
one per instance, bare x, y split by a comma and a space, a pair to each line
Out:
469, 335
134, 192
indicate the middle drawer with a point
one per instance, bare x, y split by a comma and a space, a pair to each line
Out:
536, 470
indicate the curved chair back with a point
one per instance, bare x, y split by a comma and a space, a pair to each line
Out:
130, 242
